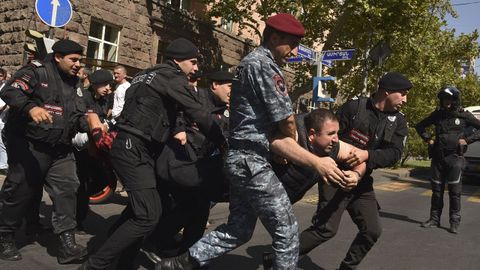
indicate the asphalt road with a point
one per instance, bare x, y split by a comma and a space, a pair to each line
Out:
403, 245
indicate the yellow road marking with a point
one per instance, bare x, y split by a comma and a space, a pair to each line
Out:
427, 193
311, 199
475, 197
395, 187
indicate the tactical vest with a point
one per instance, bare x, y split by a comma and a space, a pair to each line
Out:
449, 129
359, 133
144, 113
51, 94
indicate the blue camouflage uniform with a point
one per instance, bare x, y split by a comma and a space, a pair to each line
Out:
259, 99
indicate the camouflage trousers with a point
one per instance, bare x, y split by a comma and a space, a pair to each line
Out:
255, 192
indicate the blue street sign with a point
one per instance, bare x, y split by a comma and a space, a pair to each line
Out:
55, 13
327, 63
306, 52
338, 55
297, 59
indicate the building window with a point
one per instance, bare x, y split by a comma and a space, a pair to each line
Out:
226, 25
180, 4
103, 41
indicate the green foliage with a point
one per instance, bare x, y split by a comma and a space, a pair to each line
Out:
424, 49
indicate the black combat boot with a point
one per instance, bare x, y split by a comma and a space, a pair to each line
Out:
453, 228
182, 262
68, 250
432, 222
8, 250
267, 259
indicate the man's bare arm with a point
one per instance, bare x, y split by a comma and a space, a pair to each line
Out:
345, 154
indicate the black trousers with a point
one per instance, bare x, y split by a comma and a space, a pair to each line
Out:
32, 165
132, 161
447, 170
190, 211
362, 207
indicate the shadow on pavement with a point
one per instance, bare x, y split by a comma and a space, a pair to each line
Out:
399, 217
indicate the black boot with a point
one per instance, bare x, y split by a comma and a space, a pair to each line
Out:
267, 259
453, 228
8, 250
431, 223
68, 250
182, 262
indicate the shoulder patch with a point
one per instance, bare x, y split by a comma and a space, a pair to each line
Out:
79, 92
19, 84
280, 84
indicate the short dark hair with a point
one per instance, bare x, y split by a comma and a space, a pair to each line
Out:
317, 117
268, 32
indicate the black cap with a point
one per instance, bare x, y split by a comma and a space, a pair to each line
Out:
101, 76
181, 49
66, 46
220, 76
394, 81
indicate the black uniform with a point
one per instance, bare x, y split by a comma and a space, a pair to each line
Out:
93, 171
383, 135
148, 119
192, 198
41, 154
447, 157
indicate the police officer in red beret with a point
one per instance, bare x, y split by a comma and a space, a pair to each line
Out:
259, 107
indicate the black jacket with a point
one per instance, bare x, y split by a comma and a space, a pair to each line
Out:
43, 85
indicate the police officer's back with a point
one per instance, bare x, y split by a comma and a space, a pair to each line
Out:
45, 113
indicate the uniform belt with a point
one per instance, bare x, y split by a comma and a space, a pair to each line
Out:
134, 131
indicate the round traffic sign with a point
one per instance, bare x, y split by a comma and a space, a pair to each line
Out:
55, 13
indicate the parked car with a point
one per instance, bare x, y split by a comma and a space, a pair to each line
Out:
472, 156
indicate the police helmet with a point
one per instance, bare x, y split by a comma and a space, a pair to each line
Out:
450, 92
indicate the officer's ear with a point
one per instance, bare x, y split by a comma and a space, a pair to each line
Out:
311, 134
58, 57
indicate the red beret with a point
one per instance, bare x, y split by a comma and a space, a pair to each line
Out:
287, 23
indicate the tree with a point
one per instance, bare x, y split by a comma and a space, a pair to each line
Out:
423, 48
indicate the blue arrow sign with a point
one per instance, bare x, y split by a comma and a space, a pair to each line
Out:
55, 13
338, 55
327, 63
297, 59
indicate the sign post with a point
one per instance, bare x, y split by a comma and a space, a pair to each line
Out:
54, 13
320, 59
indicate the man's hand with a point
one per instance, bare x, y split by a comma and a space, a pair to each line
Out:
181, 137
351, 178
39, 115
431, 142
357, 156
462, 142
328, 170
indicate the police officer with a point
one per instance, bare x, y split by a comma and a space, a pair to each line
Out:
148, 119
92, 170
447, 148
45, 113
259, 106
318, 133
377, 128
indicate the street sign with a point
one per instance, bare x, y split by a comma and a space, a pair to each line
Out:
327, 63
55, 13
338, 55
297, 59
306, 52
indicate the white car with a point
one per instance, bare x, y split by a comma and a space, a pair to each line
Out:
472, 156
